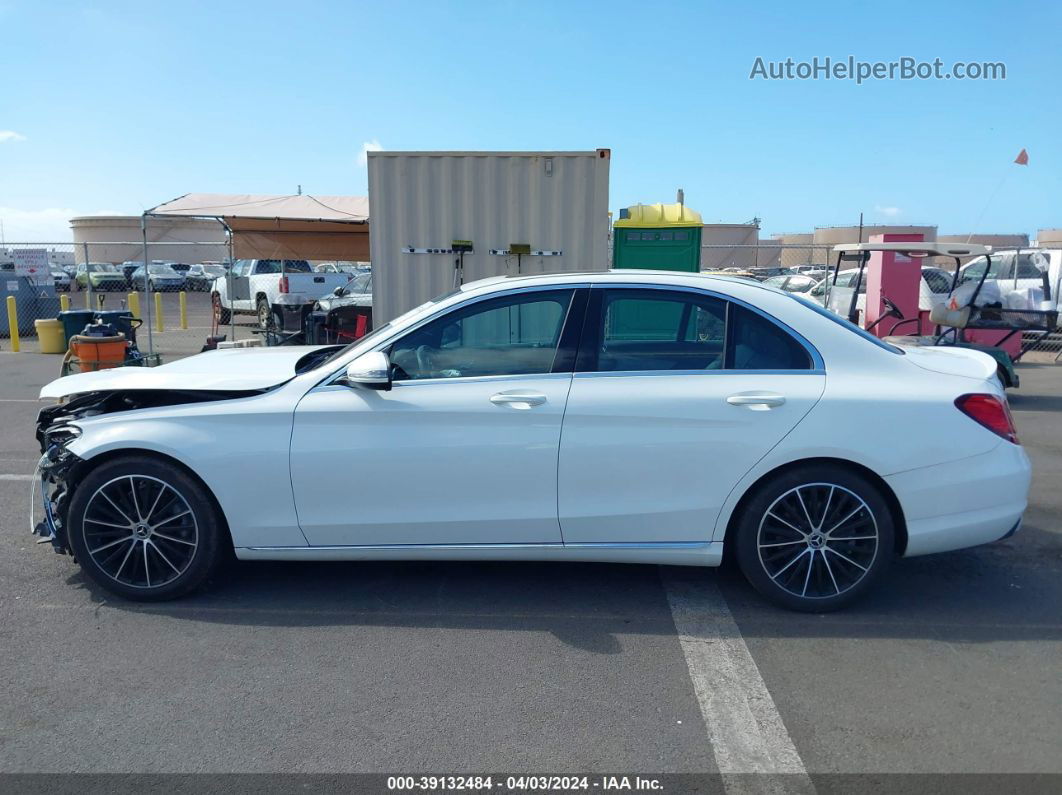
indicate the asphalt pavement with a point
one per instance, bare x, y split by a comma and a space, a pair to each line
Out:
954, 664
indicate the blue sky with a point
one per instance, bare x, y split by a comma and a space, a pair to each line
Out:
118, 106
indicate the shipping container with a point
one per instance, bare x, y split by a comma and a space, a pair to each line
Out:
553, 203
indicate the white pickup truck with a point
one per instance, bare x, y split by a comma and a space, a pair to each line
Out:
252, 286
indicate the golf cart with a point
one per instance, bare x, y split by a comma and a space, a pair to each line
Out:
998, 320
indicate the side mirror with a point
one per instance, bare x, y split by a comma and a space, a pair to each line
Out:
372, 370
339, 292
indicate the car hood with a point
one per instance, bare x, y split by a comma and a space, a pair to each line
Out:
237, 369
951, 360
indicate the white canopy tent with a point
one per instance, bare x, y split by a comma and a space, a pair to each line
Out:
262, 226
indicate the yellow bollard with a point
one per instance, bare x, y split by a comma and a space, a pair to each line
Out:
12, 322
88, 304
134, 304
64, 303
158, 312
183, 300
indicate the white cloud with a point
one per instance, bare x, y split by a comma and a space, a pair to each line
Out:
366, 147
10, 136
890, 212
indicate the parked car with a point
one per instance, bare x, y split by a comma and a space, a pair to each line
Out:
127, 269
160, 278
762, 273
1019, 269
201, 277
61, 278
101, 276
934, 288
697, 418
356, 292
181, 267
336, 267
796, 283
257, 283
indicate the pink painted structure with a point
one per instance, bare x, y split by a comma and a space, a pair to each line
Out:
898, 276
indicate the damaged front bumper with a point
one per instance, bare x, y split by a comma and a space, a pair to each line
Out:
52, 477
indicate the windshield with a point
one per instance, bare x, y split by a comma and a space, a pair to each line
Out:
100, 267
359, 284
213, 270
161, 270
840, 321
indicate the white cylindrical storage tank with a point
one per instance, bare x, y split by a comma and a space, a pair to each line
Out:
1049, 238
117, 238
828, 236
551, 201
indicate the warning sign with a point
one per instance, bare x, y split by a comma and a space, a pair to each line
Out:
33, 264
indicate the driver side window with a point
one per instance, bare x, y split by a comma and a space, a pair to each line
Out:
512, 335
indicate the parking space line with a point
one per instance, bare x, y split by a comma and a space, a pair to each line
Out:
746, 732
17, 477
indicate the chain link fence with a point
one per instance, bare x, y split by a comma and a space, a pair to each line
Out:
170, 300
802, 269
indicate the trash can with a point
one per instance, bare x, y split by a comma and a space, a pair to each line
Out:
74, 322
50, 335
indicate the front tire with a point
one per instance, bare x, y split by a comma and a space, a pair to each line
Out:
815, 538
144, 529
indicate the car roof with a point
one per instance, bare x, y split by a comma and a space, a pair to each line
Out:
624, 276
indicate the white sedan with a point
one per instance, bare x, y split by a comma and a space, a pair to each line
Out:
634, 416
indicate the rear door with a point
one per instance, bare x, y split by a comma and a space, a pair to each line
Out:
676, 395
241, 284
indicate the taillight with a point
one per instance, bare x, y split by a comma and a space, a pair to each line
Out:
991, 412
283, 284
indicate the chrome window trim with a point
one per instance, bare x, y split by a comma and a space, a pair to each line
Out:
817, 362
659, 373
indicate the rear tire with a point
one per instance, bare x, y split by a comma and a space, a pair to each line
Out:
221, 313
265, 314
815, 538
144, 529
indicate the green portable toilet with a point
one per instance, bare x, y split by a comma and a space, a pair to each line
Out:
665, 237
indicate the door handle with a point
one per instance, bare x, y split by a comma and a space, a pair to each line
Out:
518, 400
757, 401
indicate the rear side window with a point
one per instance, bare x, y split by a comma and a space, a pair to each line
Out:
632, 330
660, 330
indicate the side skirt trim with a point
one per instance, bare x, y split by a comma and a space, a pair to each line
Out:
679, 553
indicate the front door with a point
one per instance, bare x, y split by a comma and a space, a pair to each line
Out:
462, 449
677, 395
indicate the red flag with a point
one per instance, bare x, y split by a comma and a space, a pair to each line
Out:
1022, 159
